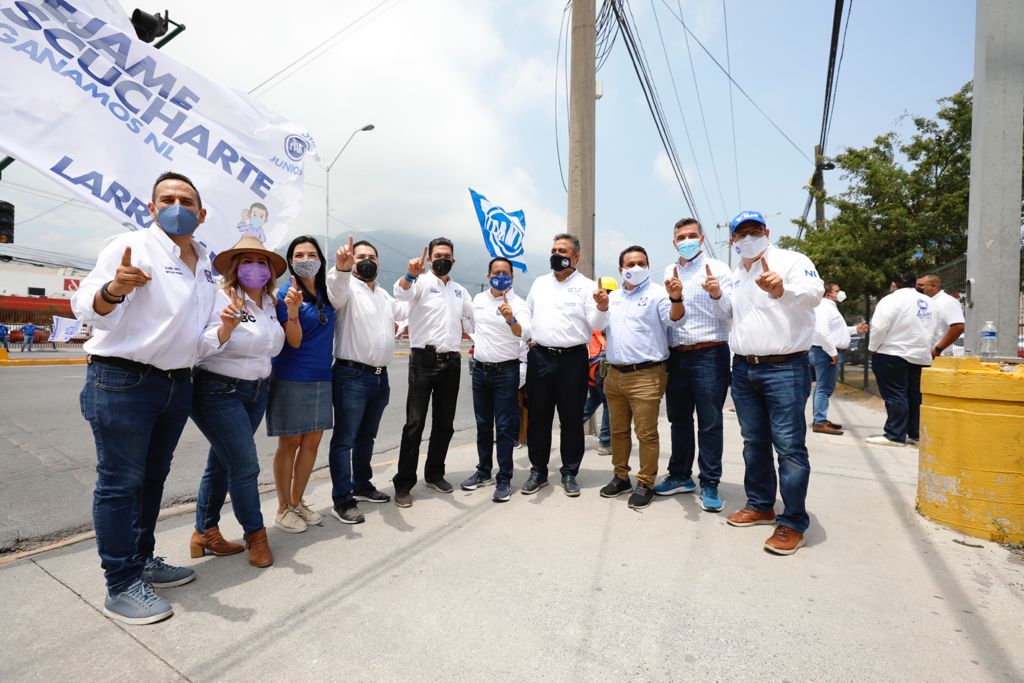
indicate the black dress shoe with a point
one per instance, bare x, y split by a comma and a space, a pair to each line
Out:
440, 485
569, 485
533, 484
615, 487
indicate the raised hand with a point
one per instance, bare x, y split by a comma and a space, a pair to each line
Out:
128, 277
343, 258
769, 280
601, 297
230, 315
418, 265
674, 286
711, 285
294, 297
505, 308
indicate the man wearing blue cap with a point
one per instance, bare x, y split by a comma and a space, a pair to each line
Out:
771, 304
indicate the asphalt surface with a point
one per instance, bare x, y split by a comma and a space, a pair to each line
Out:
47, 470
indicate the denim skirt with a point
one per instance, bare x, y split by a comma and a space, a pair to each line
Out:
299, 407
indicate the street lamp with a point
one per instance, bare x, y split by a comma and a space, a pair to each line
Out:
327, 184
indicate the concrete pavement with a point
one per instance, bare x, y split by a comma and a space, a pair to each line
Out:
551, 588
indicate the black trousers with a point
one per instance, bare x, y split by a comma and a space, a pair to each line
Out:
556, 381
438, 381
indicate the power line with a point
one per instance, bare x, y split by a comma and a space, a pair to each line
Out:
835, 82
837, 20
558, 57
732, 113
733, 81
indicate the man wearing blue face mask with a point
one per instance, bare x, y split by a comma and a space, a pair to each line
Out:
500, 322
253, 221
148, 300
698, 371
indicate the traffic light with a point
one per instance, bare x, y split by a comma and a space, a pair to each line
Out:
6, 223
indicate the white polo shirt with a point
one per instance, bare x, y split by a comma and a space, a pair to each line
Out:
564, 313
493, 339
638, 324
949, 312
247, 352
364, 319
831, 332
763, 325
903, 325
160, 323
436, 311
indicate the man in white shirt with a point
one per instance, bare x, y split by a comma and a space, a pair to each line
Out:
501, 321
148, 300
639, 313
438, 305
698, 371
565, 306
831, 338
774, 293
949, 314
364, 344
902, 332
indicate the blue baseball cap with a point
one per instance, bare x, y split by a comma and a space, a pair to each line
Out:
746, 217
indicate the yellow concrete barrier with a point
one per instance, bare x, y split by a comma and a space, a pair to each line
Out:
971, 467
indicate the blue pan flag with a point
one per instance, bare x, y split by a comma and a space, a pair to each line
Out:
504, 231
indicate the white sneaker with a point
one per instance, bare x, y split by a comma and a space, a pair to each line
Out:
882, 440
604, 450
290, 522
308, 514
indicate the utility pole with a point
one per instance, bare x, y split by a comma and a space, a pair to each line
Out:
993, 219
818, 183
582, 115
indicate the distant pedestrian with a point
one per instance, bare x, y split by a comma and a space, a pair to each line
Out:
565, 306
902, 336
774, 293
595, 383
28, 331
831, 338
232, 381
148, 301
949, 314
4, 332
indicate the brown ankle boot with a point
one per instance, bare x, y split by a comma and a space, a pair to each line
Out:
212, 542
259, 549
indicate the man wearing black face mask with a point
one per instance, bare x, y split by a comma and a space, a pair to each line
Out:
364, 343
437, 308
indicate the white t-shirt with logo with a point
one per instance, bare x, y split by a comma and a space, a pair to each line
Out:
903, 325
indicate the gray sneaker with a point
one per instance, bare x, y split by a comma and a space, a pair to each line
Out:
137, 605
348, 513
159, 574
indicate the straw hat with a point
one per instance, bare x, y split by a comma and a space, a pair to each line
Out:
250, 245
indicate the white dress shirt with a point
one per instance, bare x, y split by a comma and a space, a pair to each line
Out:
364, 319
831, 332
638, 323
436, 311
247, 352
160, 323
763, 325
704, 322
949, 312
564, 313
493, 339
903, 325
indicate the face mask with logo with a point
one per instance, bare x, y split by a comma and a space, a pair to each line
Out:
840, 296
306, 268
366, 270
637, 275
253, 275
177, 220
501, 282
750, 247
688, 248
256, 222
441, 266
560, 262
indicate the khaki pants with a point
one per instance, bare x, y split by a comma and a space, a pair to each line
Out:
635, 397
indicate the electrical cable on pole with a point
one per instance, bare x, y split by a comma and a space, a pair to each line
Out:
732, 112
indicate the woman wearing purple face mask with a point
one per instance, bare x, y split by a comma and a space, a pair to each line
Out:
230, 395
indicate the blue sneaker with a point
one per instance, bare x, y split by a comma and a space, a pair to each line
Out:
709, 500
159, 574
137, 605
502, 492
672, 485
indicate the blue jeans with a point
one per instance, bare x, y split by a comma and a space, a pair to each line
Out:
899, 383
595, 398
825, 381
697, 380
228, 411
3, 340
359, 401
27, 341
496, 406
770, 401
136, 420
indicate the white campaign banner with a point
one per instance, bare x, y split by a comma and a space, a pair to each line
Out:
63, 329
95, 109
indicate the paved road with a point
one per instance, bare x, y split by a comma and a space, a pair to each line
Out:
47, 469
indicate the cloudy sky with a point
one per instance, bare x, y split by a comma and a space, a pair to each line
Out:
463, 94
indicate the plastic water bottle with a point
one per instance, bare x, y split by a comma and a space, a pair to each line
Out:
987, 340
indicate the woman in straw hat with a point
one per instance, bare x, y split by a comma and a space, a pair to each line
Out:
230, 397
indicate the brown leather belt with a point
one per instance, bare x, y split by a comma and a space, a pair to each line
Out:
697, 347
761, 360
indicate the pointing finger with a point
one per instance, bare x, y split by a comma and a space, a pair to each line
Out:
707, 269
764, 265
295, 285
350, 243
126, 258
426, 251
504, 297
